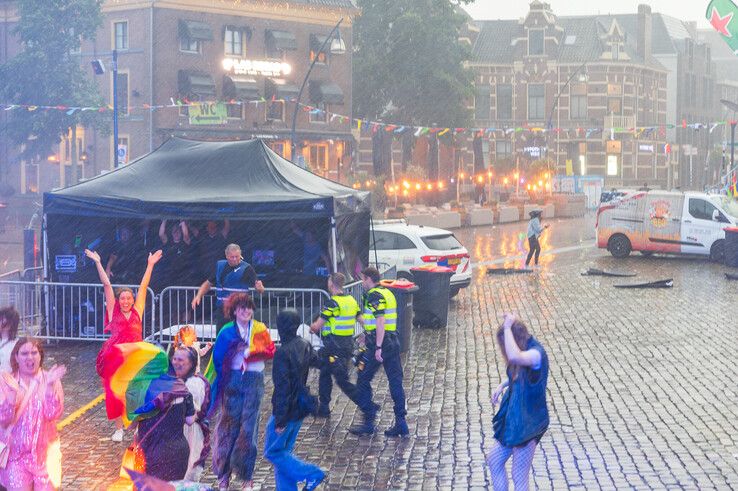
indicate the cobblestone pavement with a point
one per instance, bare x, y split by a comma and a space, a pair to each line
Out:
642, 387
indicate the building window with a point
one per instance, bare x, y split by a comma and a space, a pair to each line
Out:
279, 148
614, 105
578, 101
612, 165
504, 101
122, 93
189, 45
318, 158
536, 102
482, 101
235, 111
503, 148
535, 42
31, 178
578, 107
275, 111
319, 114
121, 35
615, 51
316, 43
233, 39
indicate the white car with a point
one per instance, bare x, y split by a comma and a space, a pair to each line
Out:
406, 246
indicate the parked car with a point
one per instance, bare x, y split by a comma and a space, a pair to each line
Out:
406, 246
663, 222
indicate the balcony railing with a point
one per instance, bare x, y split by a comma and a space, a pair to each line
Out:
617, 121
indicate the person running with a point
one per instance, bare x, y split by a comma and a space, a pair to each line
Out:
534, 232
123, 314
379, 319
336, 328
289, 373
522, 418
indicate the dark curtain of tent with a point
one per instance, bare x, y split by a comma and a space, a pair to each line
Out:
433, 158
352, 232
408, 142
478, 155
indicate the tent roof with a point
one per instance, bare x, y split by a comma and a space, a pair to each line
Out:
209, 180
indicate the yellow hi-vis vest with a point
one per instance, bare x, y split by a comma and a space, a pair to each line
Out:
341, 321
390, 311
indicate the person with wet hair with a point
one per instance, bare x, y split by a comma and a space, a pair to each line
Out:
522, 417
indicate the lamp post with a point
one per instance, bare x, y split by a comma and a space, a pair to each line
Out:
733, 107
337, 47
556, 104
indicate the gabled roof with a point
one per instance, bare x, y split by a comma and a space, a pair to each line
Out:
347, 4
494, 42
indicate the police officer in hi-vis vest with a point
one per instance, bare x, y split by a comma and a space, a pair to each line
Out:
336, 327
379, 317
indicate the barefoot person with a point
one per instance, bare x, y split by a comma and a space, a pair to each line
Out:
522, 418
123, 315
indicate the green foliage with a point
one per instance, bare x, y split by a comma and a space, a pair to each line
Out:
409, 64
46, 72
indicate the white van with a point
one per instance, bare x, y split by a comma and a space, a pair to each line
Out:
662, 222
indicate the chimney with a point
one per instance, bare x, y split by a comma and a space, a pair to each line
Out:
643, 39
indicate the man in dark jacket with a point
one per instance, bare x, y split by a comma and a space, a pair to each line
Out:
289, 406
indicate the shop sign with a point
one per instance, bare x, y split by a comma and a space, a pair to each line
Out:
534, 152
208, 113
645, 148
266, 68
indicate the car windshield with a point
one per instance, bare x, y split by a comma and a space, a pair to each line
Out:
442, 242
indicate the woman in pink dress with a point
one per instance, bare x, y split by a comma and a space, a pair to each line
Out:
31, 402
123, 320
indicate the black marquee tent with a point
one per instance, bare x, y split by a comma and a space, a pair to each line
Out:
243, 181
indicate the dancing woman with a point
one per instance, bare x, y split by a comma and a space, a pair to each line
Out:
522, 418
123, 313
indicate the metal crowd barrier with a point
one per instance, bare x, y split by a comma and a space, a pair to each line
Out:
70, 311
175, 310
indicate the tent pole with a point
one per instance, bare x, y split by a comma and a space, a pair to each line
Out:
373, 241
334, 244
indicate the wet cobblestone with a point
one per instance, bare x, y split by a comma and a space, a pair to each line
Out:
642, 387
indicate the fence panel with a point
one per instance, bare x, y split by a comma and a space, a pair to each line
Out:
72, 311
175, 310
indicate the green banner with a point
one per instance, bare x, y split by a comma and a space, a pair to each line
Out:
208, 113
721, 14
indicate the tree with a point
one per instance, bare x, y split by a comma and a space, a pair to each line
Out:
47, 73
409, 64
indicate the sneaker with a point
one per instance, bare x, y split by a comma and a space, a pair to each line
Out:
323, 412
399, 429
314, 483
118, 435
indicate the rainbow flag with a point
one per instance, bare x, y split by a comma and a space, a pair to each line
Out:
135, 367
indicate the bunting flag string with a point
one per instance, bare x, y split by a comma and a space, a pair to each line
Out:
394, 128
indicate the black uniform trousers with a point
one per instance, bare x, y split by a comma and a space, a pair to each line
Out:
335, 356
392, 368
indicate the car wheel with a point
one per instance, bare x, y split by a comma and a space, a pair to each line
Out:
717, 251
619, 246
454, 291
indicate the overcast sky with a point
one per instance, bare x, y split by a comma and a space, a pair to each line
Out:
514, 9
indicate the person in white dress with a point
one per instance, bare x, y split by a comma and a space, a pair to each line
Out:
184, 362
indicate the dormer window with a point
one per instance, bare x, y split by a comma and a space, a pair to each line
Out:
615, 50
535, 42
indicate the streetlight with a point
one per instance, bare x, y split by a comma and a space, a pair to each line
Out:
582, 78
733, 107
337, 47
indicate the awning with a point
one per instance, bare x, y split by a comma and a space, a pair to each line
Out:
280, 89
281, 40
191, 29
240, 88
316, 41
326, 92
195, 83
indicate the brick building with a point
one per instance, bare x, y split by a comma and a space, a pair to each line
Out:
251, 57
